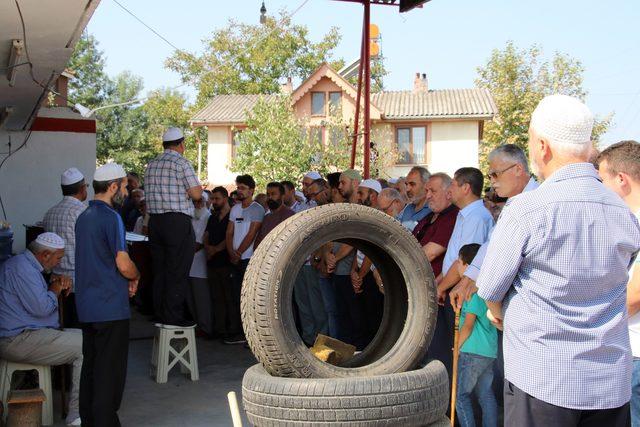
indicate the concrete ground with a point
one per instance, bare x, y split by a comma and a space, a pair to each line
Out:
180, 402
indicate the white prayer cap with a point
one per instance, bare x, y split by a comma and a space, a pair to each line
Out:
50, 240
172, 134
71, 176
313, 175
300, 194
393, 181
371, 184
109, 172
563, 119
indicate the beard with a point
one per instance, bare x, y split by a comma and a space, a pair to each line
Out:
534, 168
117, 198
199, 212
274, 204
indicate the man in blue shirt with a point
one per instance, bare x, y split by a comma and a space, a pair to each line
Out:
473, 225
418, 208
105, 279
558, 262
29, 314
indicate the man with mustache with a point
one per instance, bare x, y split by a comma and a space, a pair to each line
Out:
278, 211
199, 299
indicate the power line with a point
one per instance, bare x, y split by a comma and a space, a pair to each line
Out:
148, 26
215, 69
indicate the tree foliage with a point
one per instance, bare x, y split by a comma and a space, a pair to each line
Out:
252, 59
518, 79
129, 134
276, 145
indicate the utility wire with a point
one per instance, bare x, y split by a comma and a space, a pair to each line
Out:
148, 26
215, 69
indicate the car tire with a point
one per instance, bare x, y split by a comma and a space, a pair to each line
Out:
410, 304
413, 398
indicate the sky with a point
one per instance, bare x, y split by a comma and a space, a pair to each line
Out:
446, 39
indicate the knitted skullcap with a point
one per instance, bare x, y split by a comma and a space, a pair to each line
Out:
563, 119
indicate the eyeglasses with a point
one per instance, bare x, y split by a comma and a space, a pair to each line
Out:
385, 210
496, 174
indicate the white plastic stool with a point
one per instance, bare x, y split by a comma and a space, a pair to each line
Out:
44, 381
165, 356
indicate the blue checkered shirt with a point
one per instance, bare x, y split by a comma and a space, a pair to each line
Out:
166, 181
61, 219
559, 258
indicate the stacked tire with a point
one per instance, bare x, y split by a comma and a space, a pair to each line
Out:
379, 385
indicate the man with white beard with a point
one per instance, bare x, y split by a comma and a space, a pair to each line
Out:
199, 299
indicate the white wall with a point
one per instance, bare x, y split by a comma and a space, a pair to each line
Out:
218, 155
30, 178
453, 145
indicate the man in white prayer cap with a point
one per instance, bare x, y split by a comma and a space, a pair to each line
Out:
368, 192
61, 219
105, 280
171, 186
555, 276
29, 314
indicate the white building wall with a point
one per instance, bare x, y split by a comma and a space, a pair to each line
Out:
30, 178
453, 145
218, 156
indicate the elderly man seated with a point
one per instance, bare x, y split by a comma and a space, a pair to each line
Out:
29, 314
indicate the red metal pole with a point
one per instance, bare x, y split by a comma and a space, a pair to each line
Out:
367, 88
358, 98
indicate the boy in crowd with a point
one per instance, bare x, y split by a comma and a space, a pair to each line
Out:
478, 344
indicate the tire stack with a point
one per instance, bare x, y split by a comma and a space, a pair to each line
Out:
378, 386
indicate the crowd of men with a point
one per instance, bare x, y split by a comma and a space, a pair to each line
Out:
542, 273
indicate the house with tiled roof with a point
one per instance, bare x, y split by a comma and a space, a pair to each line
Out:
439, 129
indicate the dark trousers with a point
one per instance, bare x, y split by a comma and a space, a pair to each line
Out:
441, 347
69, 312
172, 242
233, 297
523, 410
373, 307
105, 347
350, 312
220, 282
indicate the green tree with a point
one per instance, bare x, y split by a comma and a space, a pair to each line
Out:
276, 145
518, 79
254, 59
90, 85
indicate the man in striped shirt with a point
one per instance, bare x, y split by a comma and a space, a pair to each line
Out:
557, 261
61, 220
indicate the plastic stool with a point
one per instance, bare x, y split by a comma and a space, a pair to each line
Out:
165, 356
44, 381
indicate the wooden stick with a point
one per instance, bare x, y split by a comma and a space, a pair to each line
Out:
456, 353
233, 407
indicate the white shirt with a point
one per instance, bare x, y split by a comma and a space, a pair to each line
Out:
242, 219
199, 264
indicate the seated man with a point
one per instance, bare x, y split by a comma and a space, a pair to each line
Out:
29, 314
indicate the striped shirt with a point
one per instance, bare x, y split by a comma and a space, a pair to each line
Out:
559, 258
61, 219
167, 179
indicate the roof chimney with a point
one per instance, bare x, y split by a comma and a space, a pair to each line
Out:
287, 88
420, 83
62, 87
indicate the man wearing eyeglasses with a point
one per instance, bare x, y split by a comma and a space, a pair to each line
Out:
61, 220
509, 176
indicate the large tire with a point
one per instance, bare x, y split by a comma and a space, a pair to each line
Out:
410, 305
412, 398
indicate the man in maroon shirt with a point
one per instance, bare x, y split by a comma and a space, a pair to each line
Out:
434, 231
278, 211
